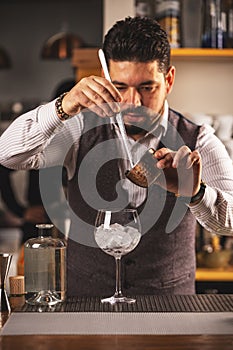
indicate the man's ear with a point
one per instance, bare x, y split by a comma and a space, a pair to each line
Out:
170, 78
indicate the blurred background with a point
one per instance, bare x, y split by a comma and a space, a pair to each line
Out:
202, 91
25, 26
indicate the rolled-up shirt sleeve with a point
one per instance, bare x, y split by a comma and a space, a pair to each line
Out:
39, 139
215, 211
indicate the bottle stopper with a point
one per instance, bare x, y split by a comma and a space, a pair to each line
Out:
16, 285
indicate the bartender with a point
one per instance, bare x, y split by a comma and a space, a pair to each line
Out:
78, 131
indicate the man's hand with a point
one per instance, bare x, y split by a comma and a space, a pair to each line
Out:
182, 170
95, 93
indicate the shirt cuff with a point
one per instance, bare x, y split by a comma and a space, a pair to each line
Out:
203, 209
48, 118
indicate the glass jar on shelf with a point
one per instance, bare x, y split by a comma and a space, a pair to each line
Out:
143, 8
227, 12
168, 14
212, 24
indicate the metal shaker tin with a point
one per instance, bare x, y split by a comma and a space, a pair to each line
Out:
144, 173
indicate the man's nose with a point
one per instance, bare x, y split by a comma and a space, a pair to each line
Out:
132, 97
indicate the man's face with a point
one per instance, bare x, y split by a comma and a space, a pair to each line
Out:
144, 90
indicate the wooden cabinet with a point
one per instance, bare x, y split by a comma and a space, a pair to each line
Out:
85, 62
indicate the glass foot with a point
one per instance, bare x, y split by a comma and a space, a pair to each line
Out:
44, 298
115, 300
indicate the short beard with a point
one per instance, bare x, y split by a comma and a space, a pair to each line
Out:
134, 129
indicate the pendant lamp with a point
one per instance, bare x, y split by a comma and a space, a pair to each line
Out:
60, 46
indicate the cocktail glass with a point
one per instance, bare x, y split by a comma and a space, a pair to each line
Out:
117, 232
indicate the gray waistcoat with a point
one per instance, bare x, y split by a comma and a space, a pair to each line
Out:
164, 260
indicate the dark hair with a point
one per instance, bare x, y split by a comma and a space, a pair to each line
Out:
139, 39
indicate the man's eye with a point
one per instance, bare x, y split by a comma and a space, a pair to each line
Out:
146, 88
120, 88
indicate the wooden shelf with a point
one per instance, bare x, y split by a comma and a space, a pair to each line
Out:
86, 62
202, 54
88, 57
220, 274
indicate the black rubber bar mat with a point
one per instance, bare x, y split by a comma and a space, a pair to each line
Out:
151, 303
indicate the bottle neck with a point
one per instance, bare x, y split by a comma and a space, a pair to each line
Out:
44, 230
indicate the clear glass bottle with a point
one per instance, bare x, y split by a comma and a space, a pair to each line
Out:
168, 14
230, 25
45, 268
220, 25
143, 8
229, 21
212, 25
224, 14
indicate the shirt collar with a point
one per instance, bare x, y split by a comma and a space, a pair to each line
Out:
164, 118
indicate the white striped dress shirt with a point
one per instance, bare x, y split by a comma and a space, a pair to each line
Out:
39, 139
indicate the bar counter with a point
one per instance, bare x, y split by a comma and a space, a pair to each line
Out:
153, 322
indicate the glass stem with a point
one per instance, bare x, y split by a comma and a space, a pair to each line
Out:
118, 293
